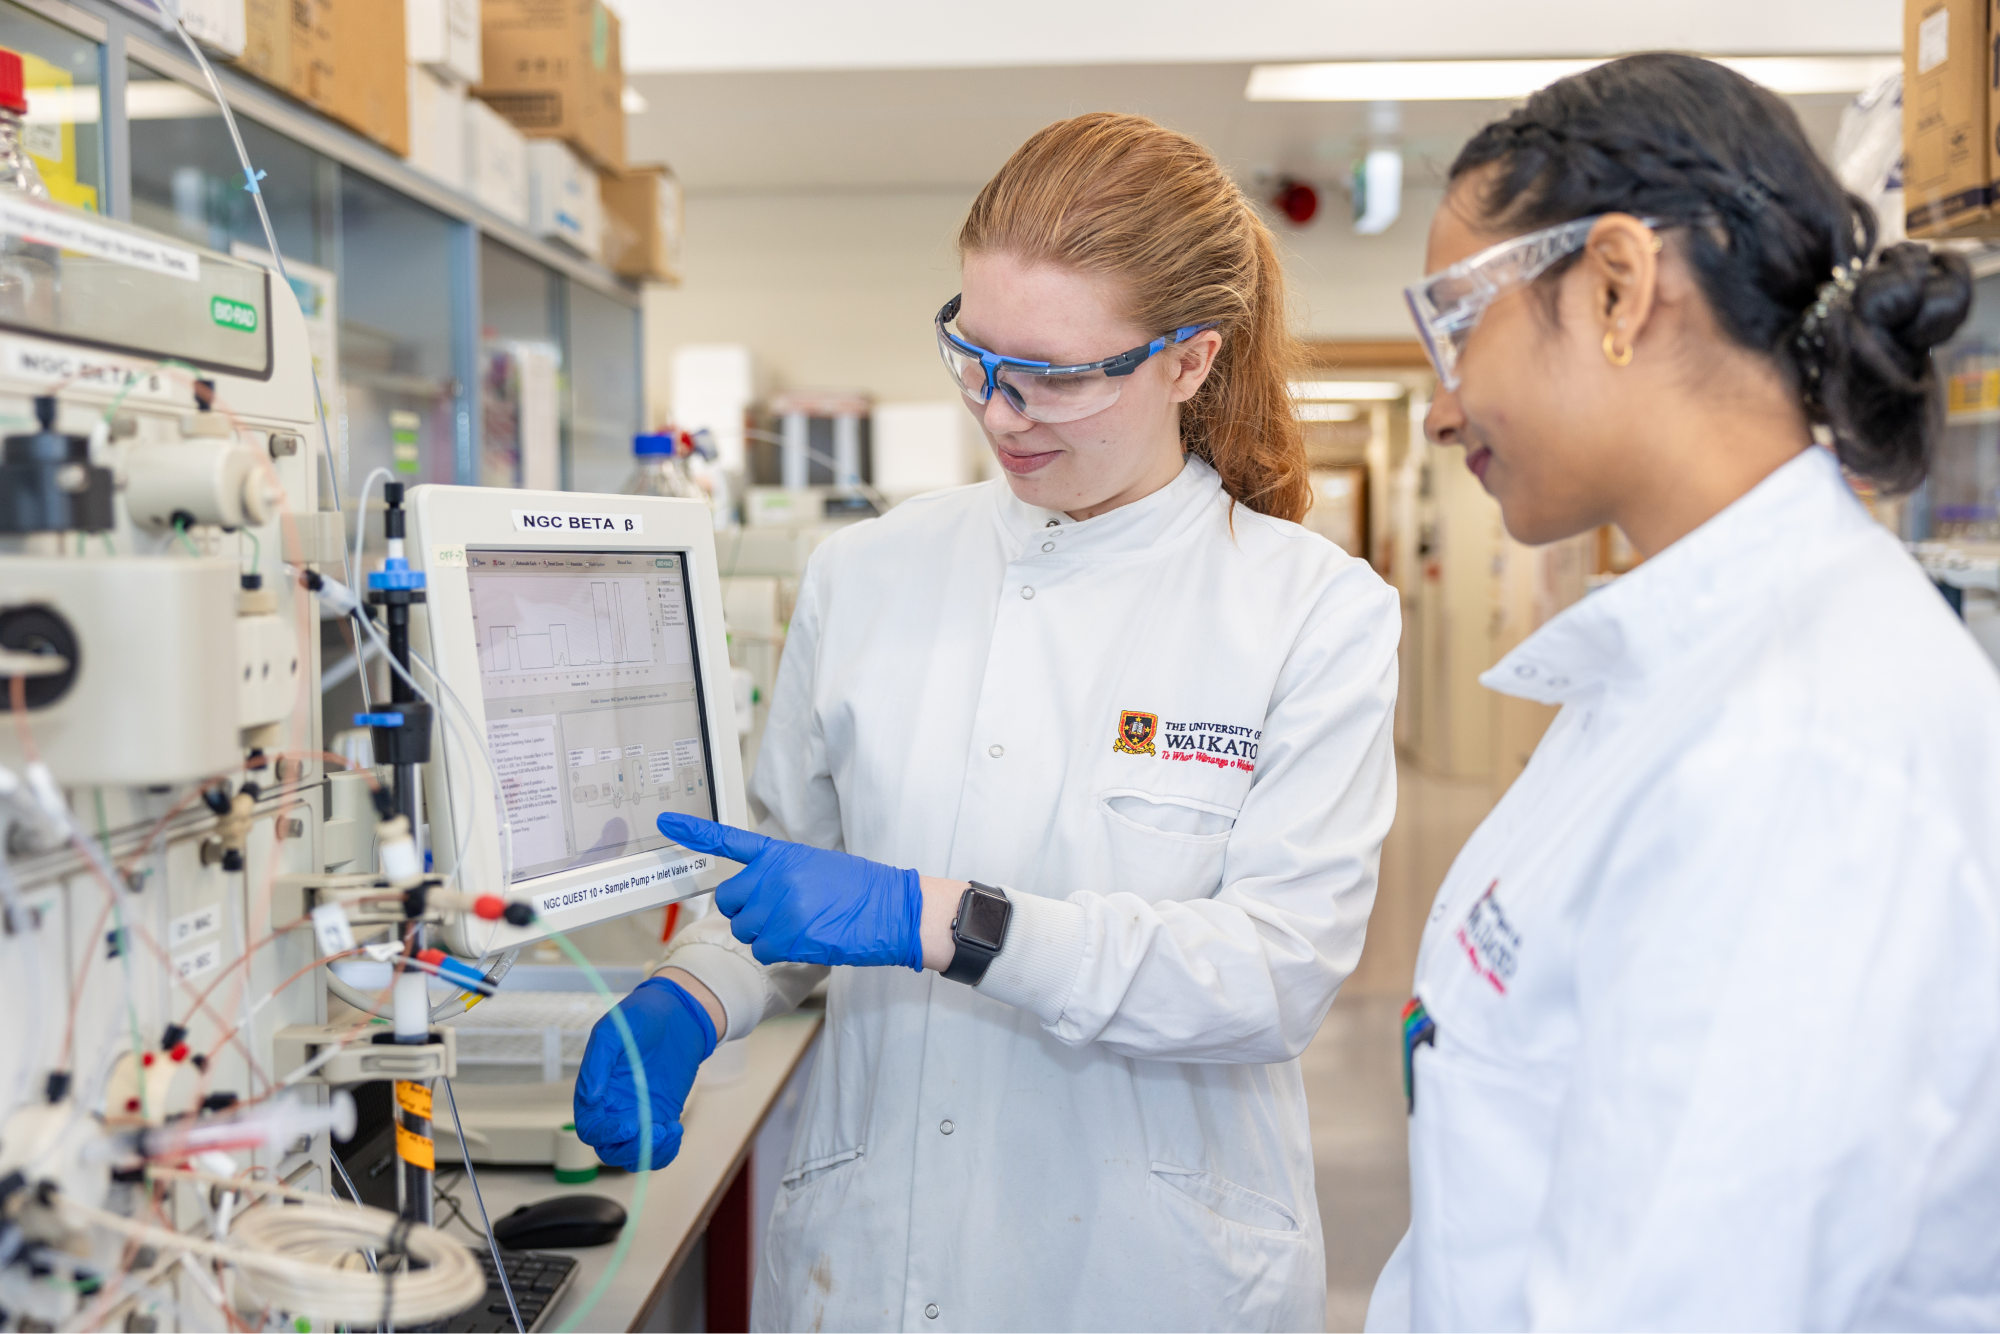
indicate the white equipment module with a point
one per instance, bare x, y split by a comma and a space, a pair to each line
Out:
164, 784
190, 882
586, 634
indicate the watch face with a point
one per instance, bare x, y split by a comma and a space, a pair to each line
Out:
984, 919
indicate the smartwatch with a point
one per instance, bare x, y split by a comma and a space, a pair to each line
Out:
979, 930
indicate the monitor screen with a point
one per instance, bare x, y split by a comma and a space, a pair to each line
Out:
593, 700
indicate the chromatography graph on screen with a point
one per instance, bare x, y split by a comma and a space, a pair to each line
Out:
543, 624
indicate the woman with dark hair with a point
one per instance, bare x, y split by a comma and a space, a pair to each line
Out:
1707, 1018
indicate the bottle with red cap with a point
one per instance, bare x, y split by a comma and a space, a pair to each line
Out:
17, 169
27, 270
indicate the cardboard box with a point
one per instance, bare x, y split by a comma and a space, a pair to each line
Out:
268, 36
371, 76
563, 202
1947, 173
437, 126
343, 58
556, 70
219, 25
642, 223
443, 35
496, 162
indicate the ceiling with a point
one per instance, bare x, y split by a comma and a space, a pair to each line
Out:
662, 36
922, 130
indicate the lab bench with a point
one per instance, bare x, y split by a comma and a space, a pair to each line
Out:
703, 1182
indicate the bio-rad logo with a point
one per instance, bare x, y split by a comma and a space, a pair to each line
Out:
565, 521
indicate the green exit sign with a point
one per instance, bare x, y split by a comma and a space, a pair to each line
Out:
233, 314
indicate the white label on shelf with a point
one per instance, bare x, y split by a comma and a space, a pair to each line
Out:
55, 363
190, 925
611, 887
23, 217
1933, 41
198, 961
330, 924
565, 521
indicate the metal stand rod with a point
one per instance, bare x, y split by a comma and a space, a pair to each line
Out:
405, 736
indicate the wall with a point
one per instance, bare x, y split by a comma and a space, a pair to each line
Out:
829, 290
837, 290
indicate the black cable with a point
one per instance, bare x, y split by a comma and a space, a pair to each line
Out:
456, 1206
394, 1256
340, 1170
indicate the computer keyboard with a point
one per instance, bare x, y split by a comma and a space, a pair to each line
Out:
538, 1279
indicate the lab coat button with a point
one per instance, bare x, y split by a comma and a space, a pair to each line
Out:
996, 751
1048, 546
944, 1127
1027, 592
1526, 671
931, 1310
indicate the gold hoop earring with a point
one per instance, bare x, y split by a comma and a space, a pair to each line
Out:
1613, 354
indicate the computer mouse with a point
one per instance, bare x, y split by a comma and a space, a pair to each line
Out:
561, 1221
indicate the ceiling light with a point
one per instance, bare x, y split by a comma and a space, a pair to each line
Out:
148, 99
1798, 76
1509, 80
1348, 391
1327, 412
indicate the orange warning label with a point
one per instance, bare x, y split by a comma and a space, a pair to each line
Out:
416, 1150
413, 1098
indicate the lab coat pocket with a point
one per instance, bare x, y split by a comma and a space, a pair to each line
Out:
1238, 1204
1480, 1122
1164, 847
808, 1172
1231, 1258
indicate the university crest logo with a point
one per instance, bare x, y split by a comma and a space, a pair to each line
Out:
1135, 732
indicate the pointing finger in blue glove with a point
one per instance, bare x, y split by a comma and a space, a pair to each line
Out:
800, 904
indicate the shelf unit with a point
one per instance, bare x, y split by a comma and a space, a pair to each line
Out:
605, 401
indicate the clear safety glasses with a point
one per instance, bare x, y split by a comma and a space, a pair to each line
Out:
1447, 306
1040, 390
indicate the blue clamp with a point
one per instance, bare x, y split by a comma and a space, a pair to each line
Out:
462, 973
396, 573
378, 720
251, 178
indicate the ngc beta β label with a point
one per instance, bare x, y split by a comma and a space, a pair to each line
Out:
569, 521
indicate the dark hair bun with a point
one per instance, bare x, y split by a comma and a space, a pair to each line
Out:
1877, 382
1766, 226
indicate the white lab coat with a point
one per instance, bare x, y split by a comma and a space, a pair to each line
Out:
1717, 984
1111, 1132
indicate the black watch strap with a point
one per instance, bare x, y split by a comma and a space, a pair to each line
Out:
979, 933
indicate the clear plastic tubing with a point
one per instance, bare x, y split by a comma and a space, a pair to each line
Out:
275, 1126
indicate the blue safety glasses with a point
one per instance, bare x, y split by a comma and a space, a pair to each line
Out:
1040, 390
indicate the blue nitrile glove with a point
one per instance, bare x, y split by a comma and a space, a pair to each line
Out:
674, 1035
792, 903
